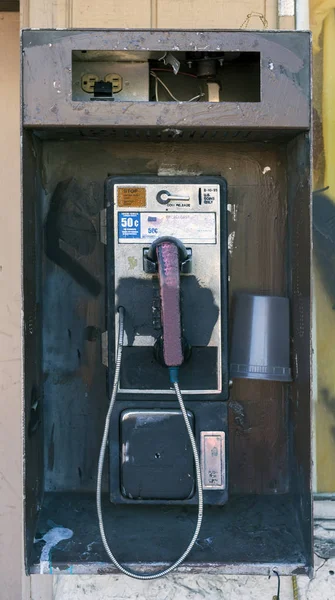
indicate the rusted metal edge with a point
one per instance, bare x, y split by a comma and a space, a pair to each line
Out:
102, 568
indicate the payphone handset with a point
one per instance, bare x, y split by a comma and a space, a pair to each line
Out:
167, 298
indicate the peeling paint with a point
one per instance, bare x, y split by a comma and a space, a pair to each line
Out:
238, 410
232, 208
52, 538
173, 131
286, 8
132, 262
176, 170
231, 239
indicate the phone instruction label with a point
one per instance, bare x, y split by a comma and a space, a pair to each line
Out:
196, 228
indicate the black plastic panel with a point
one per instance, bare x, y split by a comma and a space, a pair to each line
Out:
198, 373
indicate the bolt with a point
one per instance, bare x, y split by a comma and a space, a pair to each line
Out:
189, 64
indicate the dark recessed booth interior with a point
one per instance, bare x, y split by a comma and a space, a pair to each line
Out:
260, 144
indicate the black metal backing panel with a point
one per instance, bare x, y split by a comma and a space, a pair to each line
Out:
299, 269
73, 321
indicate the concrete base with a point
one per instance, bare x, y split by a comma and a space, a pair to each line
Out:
192, 587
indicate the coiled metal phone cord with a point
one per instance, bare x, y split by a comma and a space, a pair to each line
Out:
176, 564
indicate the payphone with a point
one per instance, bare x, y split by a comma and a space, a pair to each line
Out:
166, 273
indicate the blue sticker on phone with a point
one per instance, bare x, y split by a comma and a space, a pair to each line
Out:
129, 225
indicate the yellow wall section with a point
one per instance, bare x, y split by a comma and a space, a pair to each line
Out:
328, 101
323, 29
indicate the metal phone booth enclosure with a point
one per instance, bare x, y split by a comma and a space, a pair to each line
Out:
164, 172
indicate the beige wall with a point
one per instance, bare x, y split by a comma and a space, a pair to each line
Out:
181, 14
10, 311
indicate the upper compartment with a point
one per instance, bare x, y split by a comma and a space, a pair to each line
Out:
260, 80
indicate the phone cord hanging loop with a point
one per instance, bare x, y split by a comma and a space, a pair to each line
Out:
145, 576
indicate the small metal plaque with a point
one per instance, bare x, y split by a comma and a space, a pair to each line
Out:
213, 460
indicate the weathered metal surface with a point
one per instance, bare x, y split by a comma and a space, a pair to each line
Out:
195, 135
268, 183
32, 339
47, 80
250, 529
299, 286
104, 568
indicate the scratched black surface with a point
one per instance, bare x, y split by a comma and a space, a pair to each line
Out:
248, 529
75, 399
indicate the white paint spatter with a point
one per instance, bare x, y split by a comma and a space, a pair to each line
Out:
231, 239
270, 65
173, 132
52, 538
286, 8
204, 543
232, 208
175, 170
266, 170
